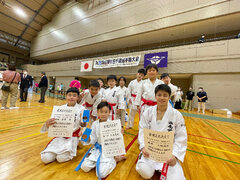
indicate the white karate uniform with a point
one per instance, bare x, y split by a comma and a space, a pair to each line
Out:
107, 165
101, 91
133, 88
147, 91
87, 98
60, 148
114, 96
173, 89
171, 121
125, 93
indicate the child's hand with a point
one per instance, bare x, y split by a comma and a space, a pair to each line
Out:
81, 132
130, 101
138, 108
83, 124
50, 122
118, 111
122, 130
172, 161
93, 117
145, 153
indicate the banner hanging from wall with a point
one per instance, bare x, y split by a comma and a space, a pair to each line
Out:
117, 62
160, 59
86, 66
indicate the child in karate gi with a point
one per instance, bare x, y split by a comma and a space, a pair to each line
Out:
125, 93
133, 87
113, 96
91, 98
145, 95
163, 117
101, 82
60, 148
106, 164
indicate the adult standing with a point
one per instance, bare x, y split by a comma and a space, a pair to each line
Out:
189, 98
202, 97
43, 85
26, 82
11, 78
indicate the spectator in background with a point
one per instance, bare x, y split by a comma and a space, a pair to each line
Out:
36, 86
76, 83
11, 78
26, 82
1, 83
43, 85
202, 39
61, 87
202, 97
178, 99
238, 36
189, 97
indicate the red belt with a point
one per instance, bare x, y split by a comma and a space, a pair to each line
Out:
133, 95
148, 102
88, 105
112, 105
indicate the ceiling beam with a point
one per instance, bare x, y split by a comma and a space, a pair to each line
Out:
17, 20
28, 25
54, 4
32, 10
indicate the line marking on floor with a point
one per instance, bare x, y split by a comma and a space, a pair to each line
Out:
213, 156
19, 138
201, 145
211, 125
210, 139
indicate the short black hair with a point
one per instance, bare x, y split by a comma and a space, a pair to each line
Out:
104, 104
200, 88
43, 73
94, 83
73, 90
142, 71
100, 80
149, 66
163, 87
163, 75
112, 77
11, 67
122, 77
76, 78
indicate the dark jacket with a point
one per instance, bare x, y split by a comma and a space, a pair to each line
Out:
26, 82
43, 82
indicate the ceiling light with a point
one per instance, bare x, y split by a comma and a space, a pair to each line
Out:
20, 12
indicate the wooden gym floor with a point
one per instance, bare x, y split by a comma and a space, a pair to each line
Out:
213, 147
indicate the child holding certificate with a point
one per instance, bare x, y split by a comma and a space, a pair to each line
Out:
95, 158
163, 117
60, 148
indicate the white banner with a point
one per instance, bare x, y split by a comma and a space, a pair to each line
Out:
112, 138
86, 66
117, 62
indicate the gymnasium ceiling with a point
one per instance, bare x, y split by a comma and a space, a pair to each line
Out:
21, 20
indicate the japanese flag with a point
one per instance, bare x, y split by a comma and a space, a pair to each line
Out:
86, 66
